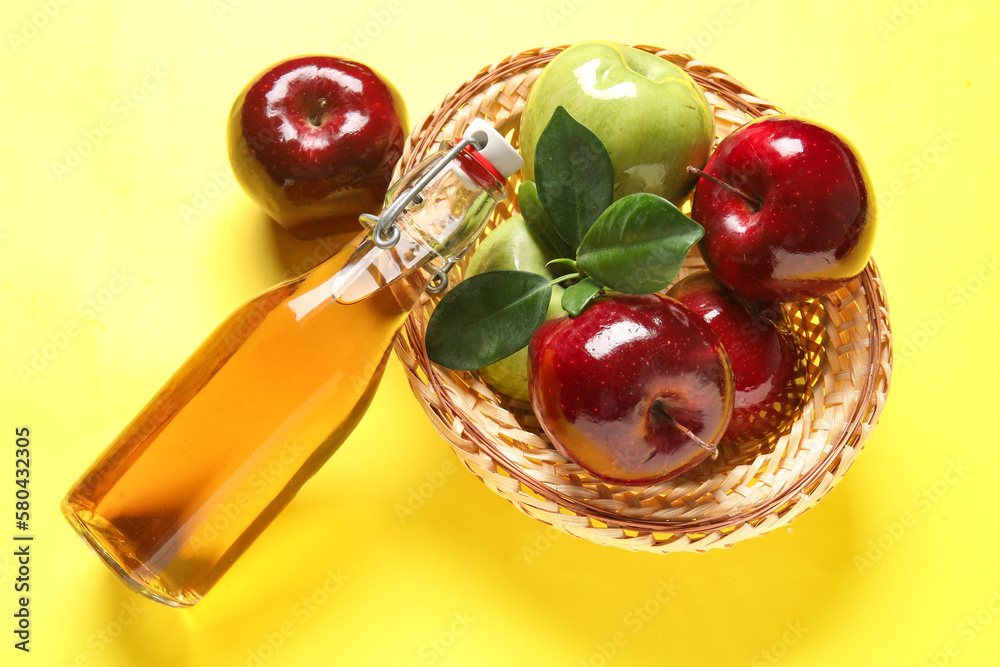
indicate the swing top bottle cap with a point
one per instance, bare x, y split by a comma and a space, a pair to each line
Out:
496, 150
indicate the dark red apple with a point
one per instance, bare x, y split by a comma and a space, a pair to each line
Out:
313, 140
768, 362
636, 389
803, 220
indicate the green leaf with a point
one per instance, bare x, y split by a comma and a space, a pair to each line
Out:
485, 318
577, 297
638, 245
539, 224
574, 175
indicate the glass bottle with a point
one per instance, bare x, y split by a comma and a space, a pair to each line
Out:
262, 404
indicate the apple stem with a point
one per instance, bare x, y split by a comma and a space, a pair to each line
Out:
712, 450
571, 263
753, 201
564, 278
317, 118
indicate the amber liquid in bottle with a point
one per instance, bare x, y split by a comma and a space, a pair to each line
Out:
233, 435
272, 393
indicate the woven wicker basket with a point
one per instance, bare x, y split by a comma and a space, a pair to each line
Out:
745, 491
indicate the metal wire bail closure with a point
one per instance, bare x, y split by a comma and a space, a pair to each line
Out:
385, 234
439, 281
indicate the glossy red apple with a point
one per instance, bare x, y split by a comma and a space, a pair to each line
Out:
803, 220
768, 361
635, 389
313, 140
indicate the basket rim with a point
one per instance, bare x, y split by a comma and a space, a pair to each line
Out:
704, 74
866, 409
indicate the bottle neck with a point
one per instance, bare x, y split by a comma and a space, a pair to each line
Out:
438, 227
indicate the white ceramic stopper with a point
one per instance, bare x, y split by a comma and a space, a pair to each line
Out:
495, 149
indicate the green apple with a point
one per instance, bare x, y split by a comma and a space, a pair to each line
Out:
651, 115
511, 246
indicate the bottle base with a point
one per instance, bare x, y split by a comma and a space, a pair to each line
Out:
100, 543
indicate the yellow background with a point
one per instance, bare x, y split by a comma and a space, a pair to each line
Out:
898, 566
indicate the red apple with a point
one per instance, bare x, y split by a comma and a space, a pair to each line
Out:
768, 362
799, 220
313, 140
636, 389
